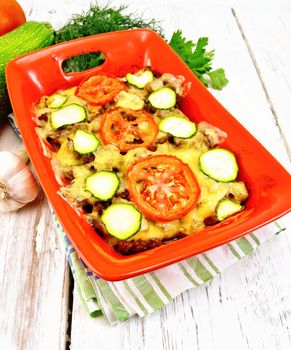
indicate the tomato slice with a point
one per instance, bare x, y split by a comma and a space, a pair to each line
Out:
162, 187
128, 129
98, 90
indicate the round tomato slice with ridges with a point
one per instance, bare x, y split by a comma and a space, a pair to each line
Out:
99, 90
162, 187
128, 129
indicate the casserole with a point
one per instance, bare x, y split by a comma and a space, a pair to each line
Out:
40, 73
141, 175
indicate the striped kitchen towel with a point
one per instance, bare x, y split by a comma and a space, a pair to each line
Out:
140, 295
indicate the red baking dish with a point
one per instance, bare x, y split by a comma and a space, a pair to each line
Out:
40, 73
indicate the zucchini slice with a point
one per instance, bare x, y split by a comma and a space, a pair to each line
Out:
56, 100
163, 98
226, 208
140, 79
67, 115
84, 142
219, 164
121, 220
178, 127
102, 184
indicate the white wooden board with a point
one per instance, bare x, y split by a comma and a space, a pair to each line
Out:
249, 305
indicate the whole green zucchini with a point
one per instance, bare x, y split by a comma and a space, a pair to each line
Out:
30, 36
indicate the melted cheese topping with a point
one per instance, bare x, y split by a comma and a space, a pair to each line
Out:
107, 157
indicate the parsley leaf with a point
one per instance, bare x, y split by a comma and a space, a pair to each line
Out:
218, 78
199, 60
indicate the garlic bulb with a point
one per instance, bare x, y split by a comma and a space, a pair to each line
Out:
17, 184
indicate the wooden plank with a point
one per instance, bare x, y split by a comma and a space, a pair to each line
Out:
34, 275
271, 53
54, 11
224, 313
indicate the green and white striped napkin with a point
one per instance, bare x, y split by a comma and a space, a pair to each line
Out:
141, 295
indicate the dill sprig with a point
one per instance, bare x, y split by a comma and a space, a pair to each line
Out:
99, 19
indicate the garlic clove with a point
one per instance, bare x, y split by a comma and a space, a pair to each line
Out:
9, 205
10, 165
17, 183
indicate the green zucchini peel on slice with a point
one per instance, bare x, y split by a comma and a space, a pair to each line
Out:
121, 220
56, 100
220, 164
226, 208
178, 127
70, 114
140, 79
163, 98
84, 142
102, 184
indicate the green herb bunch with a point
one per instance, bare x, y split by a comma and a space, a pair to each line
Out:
103, 19
199, 60
99, 19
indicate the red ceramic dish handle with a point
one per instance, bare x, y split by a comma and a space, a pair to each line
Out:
96, 43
